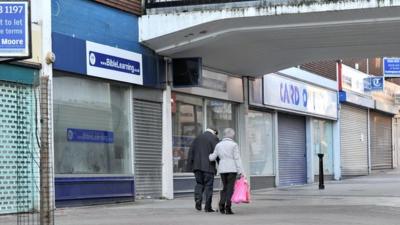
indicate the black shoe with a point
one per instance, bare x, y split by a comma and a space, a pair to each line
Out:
221, 209
198, 206
228, 211
209, 210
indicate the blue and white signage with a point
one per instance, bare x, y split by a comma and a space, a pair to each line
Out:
14, 29
374, 83
113, 63
95, 136
289, 94
391, 67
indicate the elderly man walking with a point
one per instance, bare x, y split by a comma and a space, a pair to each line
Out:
204, 170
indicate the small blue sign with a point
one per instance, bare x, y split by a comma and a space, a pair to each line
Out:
96, 136
114, 63
14, 29
342, 96
374, 83
391, 67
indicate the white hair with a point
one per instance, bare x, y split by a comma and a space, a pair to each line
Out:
229, 133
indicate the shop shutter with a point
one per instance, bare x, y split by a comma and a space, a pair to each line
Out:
396, 142
354, 140
292, 150
381, 141
148, 148
19, 152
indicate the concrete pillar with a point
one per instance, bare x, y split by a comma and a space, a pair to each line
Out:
167, 166
241, 129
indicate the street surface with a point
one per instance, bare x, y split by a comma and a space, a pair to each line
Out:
372, 200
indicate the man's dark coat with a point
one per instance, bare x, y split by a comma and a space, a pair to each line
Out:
202, 146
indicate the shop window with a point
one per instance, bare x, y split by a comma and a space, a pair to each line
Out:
190, 120
91, 127
187, 123
255, 92
323, 143
260, 143
221, 115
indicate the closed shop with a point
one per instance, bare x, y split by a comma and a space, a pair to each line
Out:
302, 115
381, 140
354, 140
19, 140
17, 129
292, 150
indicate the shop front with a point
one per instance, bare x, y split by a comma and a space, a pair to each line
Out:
19, 101
214, 103
294, 120
383, 128
107, 106
354, 122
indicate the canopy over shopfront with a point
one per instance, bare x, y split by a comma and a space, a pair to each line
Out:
257, 45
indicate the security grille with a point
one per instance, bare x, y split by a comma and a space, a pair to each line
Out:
19, 152
354, 141
381, 141
148, 148
292, 150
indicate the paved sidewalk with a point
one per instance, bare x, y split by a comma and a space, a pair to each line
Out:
372, 200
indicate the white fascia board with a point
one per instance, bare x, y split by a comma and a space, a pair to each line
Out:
310, 78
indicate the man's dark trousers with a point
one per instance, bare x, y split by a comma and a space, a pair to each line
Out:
204, 183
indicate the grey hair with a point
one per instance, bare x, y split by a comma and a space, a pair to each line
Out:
229, 133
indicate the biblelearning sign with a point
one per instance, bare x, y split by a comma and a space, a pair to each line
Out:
14, 29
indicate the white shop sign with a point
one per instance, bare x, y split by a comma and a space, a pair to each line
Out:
295, 95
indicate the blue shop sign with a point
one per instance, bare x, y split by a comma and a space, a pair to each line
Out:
95, 136
14, 29
391, 67
374, 83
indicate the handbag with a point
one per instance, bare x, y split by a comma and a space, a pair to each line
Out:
241, 192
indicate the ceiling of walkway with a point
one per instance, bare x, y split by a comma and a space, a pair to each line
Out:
254, 46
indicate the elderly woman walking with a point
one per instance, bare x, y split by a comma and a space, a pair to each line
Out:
229, 166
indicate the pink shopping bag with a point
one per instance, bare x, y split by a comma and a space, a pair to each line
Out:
241, 192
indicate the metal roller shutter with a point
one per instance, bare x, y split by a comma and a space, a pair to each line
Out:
354, 140
381, 141
19, 152
292, 150
148, 148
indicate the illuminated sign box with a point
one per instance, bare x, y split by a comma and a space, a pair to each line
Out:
15, 33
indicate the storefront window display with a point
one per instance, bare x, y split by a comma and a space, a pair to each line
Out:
220, 115
260, 141
323, 143
92, 131
188, 118
187, 123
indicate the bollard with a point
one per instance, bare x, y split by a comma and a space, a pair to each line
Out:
321, 171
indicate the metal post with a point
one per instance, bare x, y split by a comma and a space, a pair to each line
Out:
46, 204
321, 171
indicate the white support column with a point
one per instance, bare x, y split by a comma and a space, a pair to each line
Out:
336, 149
276, 146
309, 150
369, 142
167, 166
241, 130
